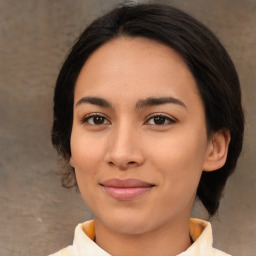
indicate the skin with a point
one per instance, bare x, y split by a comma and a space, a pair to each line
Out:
129, 143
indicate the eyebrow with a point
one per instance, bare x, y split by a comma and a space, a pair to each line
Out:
151, 101
95, 101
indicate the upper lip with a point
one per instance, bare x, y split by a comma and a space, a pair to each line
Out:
126, 183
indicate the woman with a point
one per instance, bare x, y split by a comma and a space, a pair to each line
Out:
147, 112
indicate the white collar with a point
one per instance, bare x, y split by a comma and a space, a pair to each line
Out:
200, 231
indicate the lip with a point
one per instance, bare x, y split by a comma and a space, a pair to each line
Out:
126, 189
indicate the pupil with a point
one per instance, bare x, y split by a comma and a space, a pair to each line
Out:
98, 120
159, 120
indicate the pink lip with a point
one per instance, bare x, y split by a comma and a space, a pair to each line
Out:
126, 189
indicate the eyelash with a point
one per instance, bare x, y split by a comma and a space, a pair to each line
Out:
170, 121
86, 118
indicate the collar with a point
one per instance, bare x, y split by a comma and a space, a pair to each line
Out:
200, 231
83, 243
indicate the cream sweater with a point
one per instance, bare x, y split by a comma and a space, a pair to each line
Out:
83, 244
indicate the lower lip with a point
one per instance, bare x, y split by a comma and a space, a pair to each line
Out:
126, 193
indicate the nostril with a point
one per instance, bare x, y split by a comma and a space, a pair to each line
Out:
122, 165
110, 163
131, 162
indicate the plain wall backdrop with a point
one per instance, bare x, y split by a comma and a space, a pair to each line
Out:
37, 215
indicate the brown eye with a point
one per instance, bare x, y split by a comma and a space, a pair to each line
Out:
98, 120
95, 120
160, 120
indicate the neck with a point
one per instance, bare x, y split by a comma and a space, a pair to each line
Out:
168, 240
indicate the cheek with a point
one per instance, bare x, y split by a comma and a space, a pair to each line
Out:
85, 149
184, 150
179, 165
86, 156
180, 158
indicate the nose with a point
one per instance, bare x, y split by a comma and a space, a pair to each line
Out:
125, 148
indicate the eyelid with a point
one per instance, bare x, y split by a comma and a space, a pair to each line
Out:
171, 119
86, 117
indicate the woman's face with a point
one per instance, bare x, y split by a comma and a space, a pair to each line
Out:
138, 141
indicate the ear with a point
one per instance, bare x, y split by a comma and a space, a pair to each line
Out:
72, 162
217, 150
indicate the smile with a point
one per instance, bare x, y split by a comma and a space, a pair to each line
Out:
126, 189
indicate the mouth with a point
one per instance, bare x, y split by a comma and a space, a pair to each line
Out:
126, 189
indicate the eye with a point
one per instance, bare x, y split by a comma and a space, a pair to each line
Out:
160, 120
95, 119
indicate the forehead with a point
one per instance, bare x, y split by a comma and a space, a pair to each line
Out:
129, 67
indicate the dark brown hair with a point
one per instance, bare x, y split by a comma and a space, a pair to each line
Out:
208, 61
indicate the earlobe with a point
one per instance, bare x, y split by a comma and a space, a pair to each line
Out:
217, 150
72, 162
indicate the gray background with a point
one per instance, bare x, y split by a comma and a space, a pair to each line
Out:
37, 215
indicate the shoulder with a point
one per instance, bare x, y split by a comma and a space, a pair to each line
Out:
68, 251
219, 253
83, 243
